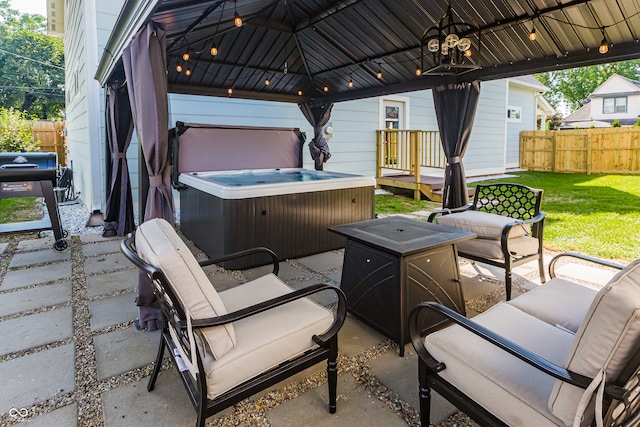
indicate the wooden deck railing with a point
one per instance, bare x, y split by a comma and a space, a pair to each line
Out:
407, 151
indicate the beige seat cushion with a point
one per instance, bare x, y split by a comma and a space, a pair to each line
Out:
490, 248
485, 225
558, 302
606, 339
267, 339
158, 243
511, 389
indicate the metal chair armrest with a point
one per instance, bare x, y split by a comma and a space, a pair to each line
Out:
552, 264
499, 341
434, 214
341, 311
538, 219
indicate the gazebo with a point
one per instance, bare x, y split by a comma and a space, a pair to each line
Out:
316, 53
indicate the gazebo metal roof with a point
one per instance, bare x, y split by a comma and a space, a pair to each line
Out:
310, 45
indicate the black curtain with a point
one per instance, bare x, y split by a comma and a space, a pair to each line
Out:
119, 129
455, 106
318, 115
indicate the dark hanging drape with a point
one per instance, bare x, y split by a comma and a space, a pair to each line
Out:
318, 115
455, 106
145, 66
119, 129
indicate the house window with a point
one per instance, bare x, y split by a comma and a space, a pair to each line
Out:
392, 117
514, 114
614, 105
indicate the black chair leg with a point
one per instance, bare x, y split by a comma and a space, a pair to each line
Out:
332, 374
424, 394
507, 282
157, 365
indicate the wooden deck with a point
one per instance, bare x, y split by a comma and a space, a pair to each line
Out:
429, 186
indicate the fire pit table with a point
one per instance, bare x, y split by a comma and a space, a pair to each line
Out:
393, 264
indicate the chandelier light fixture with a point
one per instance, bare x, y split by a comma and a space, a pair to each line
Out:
446, 48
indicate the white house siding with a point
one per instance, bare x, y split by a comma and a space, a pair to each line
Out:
523, 98
77, 106
615, 85
485, 152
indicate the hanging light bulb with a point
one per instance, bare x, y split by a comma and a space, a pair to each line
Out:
532, 35
418, 71
379, 75
604, 46
326, 88
237, 20
188, 72
214, 50
267, 82
179, 68
467, 53
186, 56
299, 93
230, 91
350, 83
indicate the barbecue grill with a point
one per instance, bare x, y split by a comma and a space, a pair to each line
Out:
32, 175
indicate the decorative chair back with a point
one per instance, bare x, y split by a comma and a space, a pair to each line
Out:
512, 200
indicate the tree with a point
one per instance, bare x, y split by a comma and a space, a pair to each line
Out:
575, 85
31, 65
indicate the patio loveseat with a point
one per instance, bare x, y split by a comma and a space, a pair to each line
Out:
559, 355
231, 344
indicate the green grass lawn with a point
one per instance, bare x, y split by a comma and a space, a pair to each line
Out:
596, 215
19, 209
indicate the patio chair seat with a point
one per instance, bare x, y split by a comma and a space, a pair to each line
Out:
515, 391
490, 248
266, 339
486, 225
558, 302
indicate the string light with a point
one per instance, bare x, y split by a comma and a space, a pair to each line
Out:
604, 44
379, 75
267, 82
188, 72
467, 53
237, 20
350, 83
326, 88
418, 71
299, 93
214, 50
179, 68
186, 56
532, 35
230, 91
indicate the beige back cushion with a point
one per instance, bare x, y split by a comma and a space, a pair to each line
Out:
485, 225
606, 339
158, 243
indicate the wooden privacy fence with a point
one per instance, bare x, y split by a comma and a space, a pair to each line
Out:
408, 150
609, 150
52, 138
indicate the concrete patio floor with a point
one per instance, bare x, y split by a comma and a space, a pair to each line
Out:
70, 354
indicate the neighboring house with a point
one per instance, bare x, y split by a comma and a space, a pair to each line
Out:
505, 108
618, 98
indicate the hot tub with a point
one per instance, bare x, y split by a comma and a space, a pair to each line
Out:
287, 209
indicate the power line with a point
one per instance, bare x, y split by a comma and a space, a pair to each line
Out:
32, 60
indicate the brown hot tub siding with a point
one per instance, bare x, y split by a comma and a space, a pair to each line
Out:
292, 225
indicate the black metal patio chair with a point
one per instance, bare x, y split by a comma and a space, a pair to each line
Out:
231, 344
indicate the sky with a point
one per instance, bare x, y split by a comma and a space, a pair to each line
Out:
30, 6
